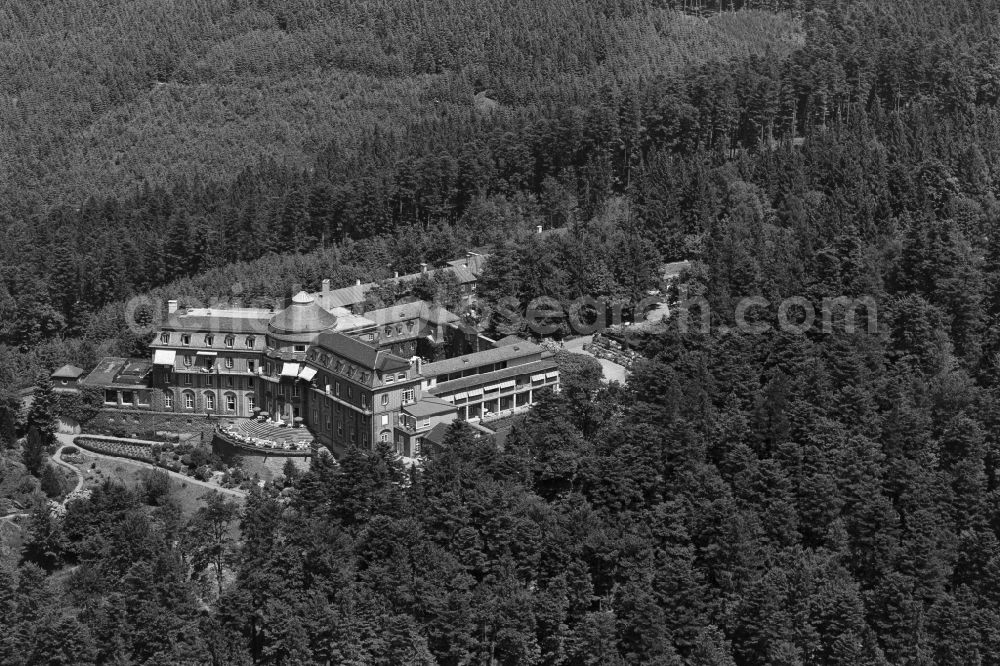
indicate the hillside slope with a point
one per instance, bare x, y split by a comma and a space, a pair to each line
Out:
96, 98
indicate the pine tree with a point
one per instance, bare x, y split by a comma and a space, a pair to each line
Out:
51, 484
34, 449
41, 414
209, 536
290, 472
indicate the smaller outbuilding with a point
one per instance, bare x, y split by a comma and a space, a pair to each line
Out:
67, 379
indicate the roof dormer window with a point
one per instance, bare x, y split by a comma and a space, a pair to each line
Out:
186, 339
209, 340
165, 338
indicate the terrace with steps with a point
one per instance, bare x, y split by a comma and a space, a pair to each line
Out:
249, 433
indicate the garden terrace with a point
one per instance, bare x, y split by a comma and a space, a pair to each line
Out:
267, 436
111, 446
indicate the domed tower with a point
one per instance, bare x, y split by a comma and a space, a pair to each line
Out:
289, 334
294, 328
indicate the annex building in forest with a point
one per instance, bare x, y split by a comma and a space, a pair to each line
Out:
351, 378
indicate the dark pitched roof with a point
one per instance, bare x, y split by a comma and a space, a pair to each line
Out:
502, 428
473, 263
436, 434
390, 362
496, 355
546, 365
465, 270
435, 314
68, 372
350, 348
426, 313
361, 353
345, 297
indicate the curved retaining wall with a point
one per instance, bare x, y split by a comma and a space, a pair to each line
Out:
268, 463
246, 449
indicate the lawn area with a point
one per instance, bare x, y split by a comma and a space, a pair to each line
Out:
96, 470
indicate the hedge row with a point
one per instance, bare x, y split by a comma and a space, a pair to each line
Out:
120, 449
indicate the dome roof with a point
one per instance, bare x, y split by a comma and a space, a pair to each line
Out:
302, 316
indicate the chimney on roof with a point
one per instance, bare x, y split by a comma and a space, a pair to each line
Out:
538, 229
415, 362
423, 266
395, 275
357, 283
326, 285
171, 307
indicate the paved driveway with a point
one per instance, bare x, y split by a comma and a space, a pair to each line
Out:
612, 371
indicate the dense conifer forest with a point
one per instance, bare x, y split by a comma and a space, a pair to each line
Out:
829, 497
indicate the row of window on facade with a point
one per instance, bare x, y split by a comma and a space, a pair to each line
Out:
188, 401
142, 399
352, 428
345, 368
210, 363
126, 398
230, 380
229, 341
387, 331
406, 396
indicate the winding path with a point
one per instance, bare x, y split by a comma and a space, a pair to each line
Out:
11, 516
57, 459
67, 440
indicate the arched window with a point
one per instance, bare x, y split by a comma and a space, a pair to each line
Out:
385, 436
188, 400
231, 402
209, 400
168, 400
